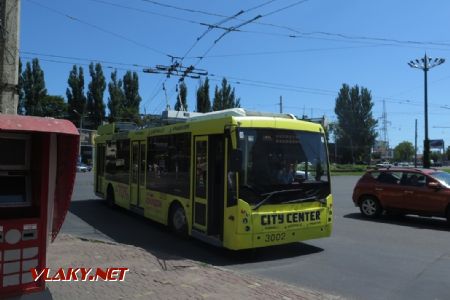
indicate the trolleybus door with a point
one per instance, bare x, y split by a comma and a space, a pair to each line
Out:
137, 184
201, 183
99, 168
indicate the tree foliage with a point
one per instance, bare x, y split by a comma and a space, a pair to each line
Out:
76, 99
116, 98
436, 156
203, 100
356, 126
404, 151
132, 100
34, 88
181, 103
54, 106
225, 97
95, 106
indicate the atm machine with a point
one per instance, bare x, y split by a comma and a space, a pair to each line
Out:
37, 172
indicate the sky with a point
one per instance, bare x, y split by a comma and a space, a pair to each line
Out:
302, 51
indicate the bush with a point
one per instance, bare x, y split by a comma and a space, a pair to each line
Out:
348, 168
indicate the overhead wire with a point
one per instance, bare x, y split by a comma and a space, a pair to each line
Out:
215, 77
303, 34
227, 18
339, 37
146, 11
81, 64
281, 87
261, 53
299, 2
84, 59
203, 12
284, 8
218, 24
99, 28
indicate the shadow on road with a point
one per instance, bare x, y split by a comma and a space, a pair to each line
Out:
408, 220
125, 227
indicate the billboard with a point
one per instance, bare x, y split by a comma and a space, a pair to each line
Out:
437, 144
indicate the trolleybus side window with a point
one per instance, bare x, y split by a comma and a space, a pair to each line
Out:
118, 160
168, 164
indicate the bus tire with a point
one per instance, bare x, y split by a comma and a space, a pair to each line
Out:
177, 220
110, 199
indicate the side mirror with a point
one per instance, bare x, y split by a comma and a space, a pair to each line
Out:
236, 160
434, 185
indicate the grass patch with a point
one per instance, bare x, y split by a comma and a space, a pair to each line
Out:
347, 173
347, 169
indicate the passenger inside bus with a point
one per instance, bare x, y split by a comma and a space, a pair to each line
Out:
286, 174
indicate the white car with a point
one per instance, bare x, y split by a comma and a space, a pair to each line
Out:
83, 168
384, 165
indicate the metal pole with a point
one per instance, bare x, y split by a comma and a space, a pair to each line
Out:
425, 64
415, 147
335, 147
281, 104
426, 145
81, 130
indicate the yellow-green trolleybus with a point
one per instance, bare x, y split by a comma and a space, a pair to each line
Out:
232, 178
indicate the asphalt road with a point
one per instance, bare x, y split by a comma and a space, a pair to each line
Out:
390, 258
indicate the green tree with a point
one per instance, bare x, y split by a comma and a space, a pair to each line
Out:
54, 106
76, 99
356, 126
33, 88
225, 97
447, 153
404, 151
203, 101
95, 105
436, 156
132, 98
116, 98
181, 103
21, 105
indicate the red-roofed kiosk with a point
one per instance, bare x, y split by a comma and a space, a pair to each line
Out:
37, 172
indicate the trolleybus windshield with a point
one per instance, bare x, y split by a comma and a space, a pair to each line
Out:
282, 166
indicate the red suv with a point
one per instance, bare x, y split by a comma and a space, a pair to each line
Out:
424, 192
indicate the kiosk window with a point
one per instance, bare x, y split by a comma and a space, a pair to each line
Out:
13, 190
12, 152
14, 170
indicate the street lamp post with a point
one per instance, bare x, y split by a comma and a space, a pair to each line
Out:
425, 64
81, 128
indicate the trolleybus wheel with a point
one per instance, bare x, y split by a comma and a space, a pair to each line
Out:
178, 221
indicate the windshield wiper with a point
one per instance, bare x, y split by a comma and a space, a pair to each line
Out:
269, 195
303, 199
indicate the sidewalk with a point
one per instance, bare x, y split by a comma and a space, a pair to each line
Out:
153, 278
